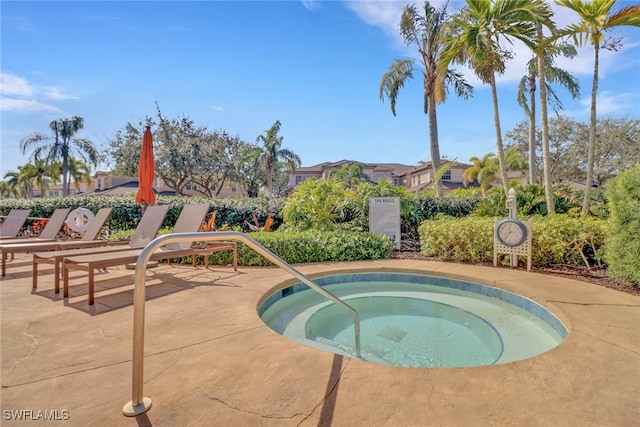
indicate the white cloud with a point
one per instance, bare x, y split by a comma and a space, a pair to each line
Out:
15, 86
308, 4
12, 104
54, 92
18, 94
217, 107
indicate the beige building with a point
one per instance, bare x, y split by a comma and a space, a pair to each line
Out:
414, 178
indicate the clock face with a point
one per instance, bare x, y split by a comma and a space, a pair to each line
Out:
511, 232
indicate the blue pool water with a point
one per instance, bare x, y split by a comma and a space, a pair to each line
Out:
415, 320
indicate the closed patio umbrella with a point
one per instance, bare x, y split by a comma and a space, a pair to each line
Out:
146, 171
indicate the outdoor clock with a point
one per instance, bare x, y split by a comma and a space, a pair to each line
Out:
511, 232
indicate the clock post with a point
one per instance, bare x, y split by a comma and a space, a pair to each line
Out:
512, 236
512, 205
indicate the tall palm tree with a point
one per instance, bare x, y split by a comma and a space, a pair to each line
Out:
426, 32
553, 75
596, 18
475, 40
483, 170
62, 146
273, 154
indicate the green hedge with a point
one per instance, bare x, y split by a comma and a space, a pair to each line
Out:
623, 242
307, 246
556, 240
230, 213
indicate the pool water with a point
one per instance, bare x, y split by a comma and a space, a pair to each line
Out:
415, 320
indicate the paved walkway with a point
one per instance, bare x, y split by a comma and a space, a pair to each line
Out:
210, 361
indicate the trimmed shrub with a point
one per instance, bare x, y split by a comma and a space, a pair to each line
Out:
230, 213
558, 239
308, 246
623, 242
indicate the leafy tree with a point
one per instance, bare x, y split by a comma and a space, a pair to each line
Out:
124, 148
250, 172
475, 40
273, 156
62, 146
483, 170
179, 144
425, 32
218, 155
596, 18
617, 147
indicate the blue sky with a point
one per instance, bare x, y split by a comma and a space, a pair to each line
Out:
239, 66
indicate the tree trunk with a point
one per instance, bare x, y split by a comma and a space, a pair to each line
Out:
546, 161
434, 145
586, 202
533, 167
496, 119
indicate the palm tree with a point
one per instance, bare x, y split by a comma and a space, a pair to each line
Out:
596, 17
43, 175
79, 172
475, 40
351, 175
553, 75
426, 32
21, 181
484, 171
62, 146
272, 154
7, 190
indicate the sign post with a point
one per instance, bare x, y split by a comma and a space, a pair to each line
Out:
384, 217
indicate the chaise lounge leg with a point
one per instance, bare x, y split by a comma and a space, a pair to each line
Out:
91, 285
65, 280
56, 276
34, 280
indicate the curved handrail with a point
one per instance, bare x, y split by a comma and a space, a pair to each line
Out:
140, 404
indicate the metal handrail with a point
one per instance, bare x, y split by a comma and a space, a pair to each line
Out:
140, 404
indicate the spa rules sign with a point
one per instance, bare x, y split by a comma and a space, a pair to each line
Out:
384, 217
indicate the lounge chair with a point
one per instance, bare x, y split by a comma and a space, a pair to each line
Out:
189, 221
13, 223
49, 232
28, 245
145, 232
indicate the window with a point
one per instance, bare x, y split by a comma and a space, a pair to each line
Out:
446, 176
54, 193
99, 183
298, 179
192, 186
233, 189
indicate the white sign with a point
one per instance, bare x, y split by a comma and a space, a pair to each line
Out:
384, 217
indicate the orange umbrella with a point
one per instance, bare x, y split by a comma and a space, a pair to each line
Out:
146, 171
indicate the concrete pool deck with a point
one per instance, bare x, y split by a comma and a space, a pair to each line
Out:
210, 361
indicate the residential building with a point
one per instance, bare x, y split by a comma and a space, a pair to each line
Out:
415, 178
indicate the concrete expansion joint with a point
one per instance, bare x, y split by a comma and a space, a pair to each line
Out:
594, 304
236, 408
605, 341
